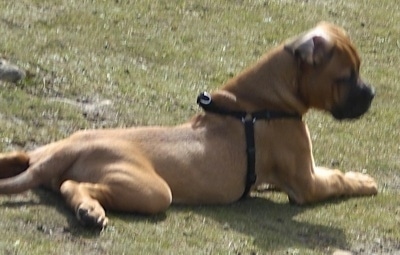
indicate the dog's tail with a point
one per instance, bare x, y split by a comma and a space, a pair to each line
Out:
12, 164
14, 178
19, 172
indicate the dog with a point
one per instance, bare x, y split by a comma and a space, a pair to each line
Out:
251, 132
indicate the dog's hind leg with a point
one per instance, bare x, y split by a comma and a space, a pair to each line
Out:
82, 198
13, 163
141, 193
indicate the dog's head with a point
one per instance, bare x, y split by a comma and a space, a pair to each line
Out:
329, 72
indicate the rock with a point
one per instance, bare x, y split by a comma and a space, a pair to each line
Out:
10, 72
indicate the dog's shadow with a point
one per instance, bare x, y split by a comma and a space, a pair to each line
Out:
270, 225
273, 226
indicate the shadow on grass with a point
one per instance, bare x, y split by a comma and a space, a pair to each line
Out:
272, 226
51, 199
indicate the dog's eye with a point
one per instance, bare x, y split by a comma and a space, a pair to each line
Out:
342, 80
347, 79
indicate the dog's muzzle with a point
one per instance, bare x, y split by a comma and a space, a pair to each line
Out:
357, 103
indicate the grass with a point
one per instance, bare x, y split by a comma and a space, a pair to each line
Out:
150, 59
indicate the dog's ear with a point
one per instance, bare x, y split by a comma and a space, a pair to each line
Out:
313, 47
225, 99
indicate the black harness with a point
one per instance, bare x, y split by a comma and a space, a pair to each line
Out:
248, 120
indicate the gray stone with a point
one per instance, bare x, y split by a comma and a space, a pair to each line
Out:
10, 72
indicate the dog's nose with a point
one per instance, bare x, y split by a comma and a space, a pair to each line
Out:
368, 91
371, 92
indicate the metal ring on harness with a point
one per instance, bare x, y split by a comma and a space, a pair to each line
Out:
204, 98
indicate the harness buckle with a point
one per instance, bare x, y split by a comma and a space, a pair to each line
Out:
248, 118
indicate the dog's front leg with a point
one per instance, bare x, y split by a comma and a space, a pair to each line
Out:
343, 184
324, 183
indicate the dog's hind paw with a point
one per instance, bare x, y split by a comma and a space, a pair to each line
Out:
92, 215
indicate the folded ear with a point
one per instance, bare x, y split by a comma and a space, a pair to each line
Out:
312, 47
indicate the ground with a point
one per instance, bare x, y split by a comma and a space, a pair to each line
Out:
100, 64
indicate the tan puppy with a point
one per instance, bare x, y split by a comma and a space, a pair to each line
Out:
204, 161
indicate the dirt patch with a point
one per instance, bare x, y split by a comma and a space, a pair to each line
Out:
92, 109
377, 246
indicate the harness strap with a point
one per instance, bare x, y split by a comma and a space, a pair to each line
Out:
248, 120
251, 176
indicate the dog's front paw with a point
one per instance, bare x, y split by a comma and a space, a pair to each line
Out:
91, 215
362, 184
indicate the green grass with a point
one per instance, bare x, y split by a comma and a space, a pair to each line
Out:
151, 59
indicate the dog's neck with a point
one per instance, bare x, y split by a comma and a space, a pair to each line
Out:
257, 88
